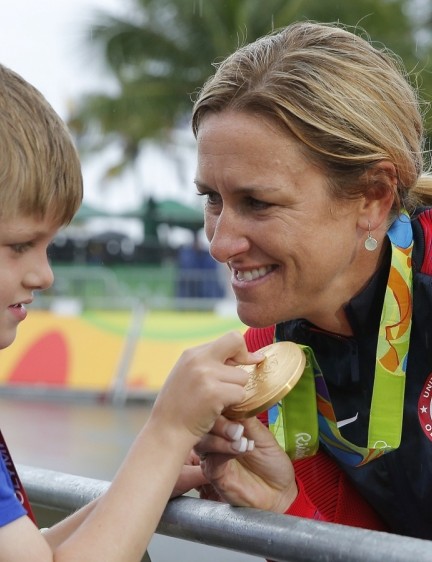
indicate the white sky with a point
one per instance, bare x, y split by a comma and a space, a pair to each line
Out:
43, 40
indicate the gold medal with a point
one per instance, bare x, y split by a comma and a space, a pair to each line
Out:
270, 380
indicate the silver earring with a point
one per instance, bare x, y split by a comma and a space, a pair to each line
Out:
370, 242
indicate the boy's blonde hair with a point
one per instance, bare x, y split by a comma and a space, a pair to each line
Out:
40, 172
348, 103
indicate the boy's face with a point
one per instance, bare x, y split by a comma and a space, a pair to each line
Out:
24, 268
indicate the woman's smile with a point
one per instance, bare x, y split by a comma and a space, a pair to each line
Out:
253, 274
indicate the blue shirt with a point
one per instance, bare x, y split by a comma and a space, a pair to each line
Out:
10, 506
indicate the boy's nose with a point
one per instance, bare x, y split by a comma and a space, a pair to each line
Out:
40, 278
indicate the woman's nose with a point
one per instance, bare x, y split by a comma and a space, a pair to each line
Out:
227, 236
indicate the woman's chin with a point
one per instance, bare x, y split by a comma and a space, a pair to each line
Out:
253, 317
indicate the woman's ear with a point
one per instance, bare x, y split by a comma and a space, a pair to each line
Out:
380, 195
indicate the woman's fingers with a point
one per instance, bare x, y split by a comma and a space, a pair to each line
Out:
226, 438
219, 445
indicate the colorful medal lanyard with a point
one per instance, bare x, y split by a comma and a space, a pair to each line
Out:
294, 421
16, 482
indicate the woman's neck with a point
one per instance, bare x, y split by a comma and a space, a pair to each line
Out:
331, 315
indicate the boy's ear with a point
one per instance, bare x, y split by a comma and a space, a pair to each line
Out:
380, 195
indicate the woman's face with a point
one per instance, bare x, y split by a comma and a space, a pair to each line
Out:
293, 251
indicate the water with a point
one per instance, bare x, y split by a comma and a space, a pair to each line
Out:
90, 439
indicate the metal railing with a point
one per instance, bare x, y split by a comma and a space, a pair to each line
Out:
165, 287
258, 533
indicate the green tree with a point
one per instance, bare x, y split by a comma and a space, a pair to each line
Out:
163, 52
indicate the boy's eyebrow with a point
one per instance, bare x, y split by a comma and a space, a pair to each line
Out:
28, 232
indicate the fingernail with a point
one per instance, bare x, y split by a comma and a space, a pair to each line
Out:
240, 445
259, 355
235, 431
251, 445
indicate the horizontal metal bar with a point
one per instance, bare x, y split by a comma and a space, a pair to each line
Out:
59, 490
259, 533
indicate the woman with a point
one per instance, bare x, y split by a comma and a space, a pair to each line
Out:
310, 149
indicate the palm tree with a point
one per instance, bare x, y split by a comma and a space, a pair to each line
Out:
163, 52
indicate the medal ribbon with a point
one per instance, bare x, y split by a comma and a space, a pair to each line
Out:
306, 417
16, 482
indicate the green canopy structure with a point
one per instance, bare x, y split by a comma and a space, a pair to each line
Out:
86, 212
167, 211
175, 213
152, 213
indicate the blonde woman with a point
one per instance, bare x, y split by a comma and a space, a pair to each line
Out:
310, 160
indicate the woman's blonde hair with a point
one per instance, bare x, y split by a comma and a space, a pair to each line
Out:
40, 172
349, 104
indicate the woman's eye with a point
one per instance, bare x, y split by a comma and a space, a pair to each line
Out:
257, 205
211, 198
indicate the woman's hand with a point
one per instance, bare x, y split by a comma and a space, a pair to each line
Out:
262, 478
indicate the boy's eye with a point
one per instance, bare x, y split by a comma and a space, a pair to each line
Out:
21, 247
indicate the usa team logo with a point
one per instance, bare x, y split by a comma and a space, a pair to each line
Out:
425, 408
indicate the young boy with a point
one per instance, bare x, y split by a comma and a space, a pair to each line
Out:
40, 191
